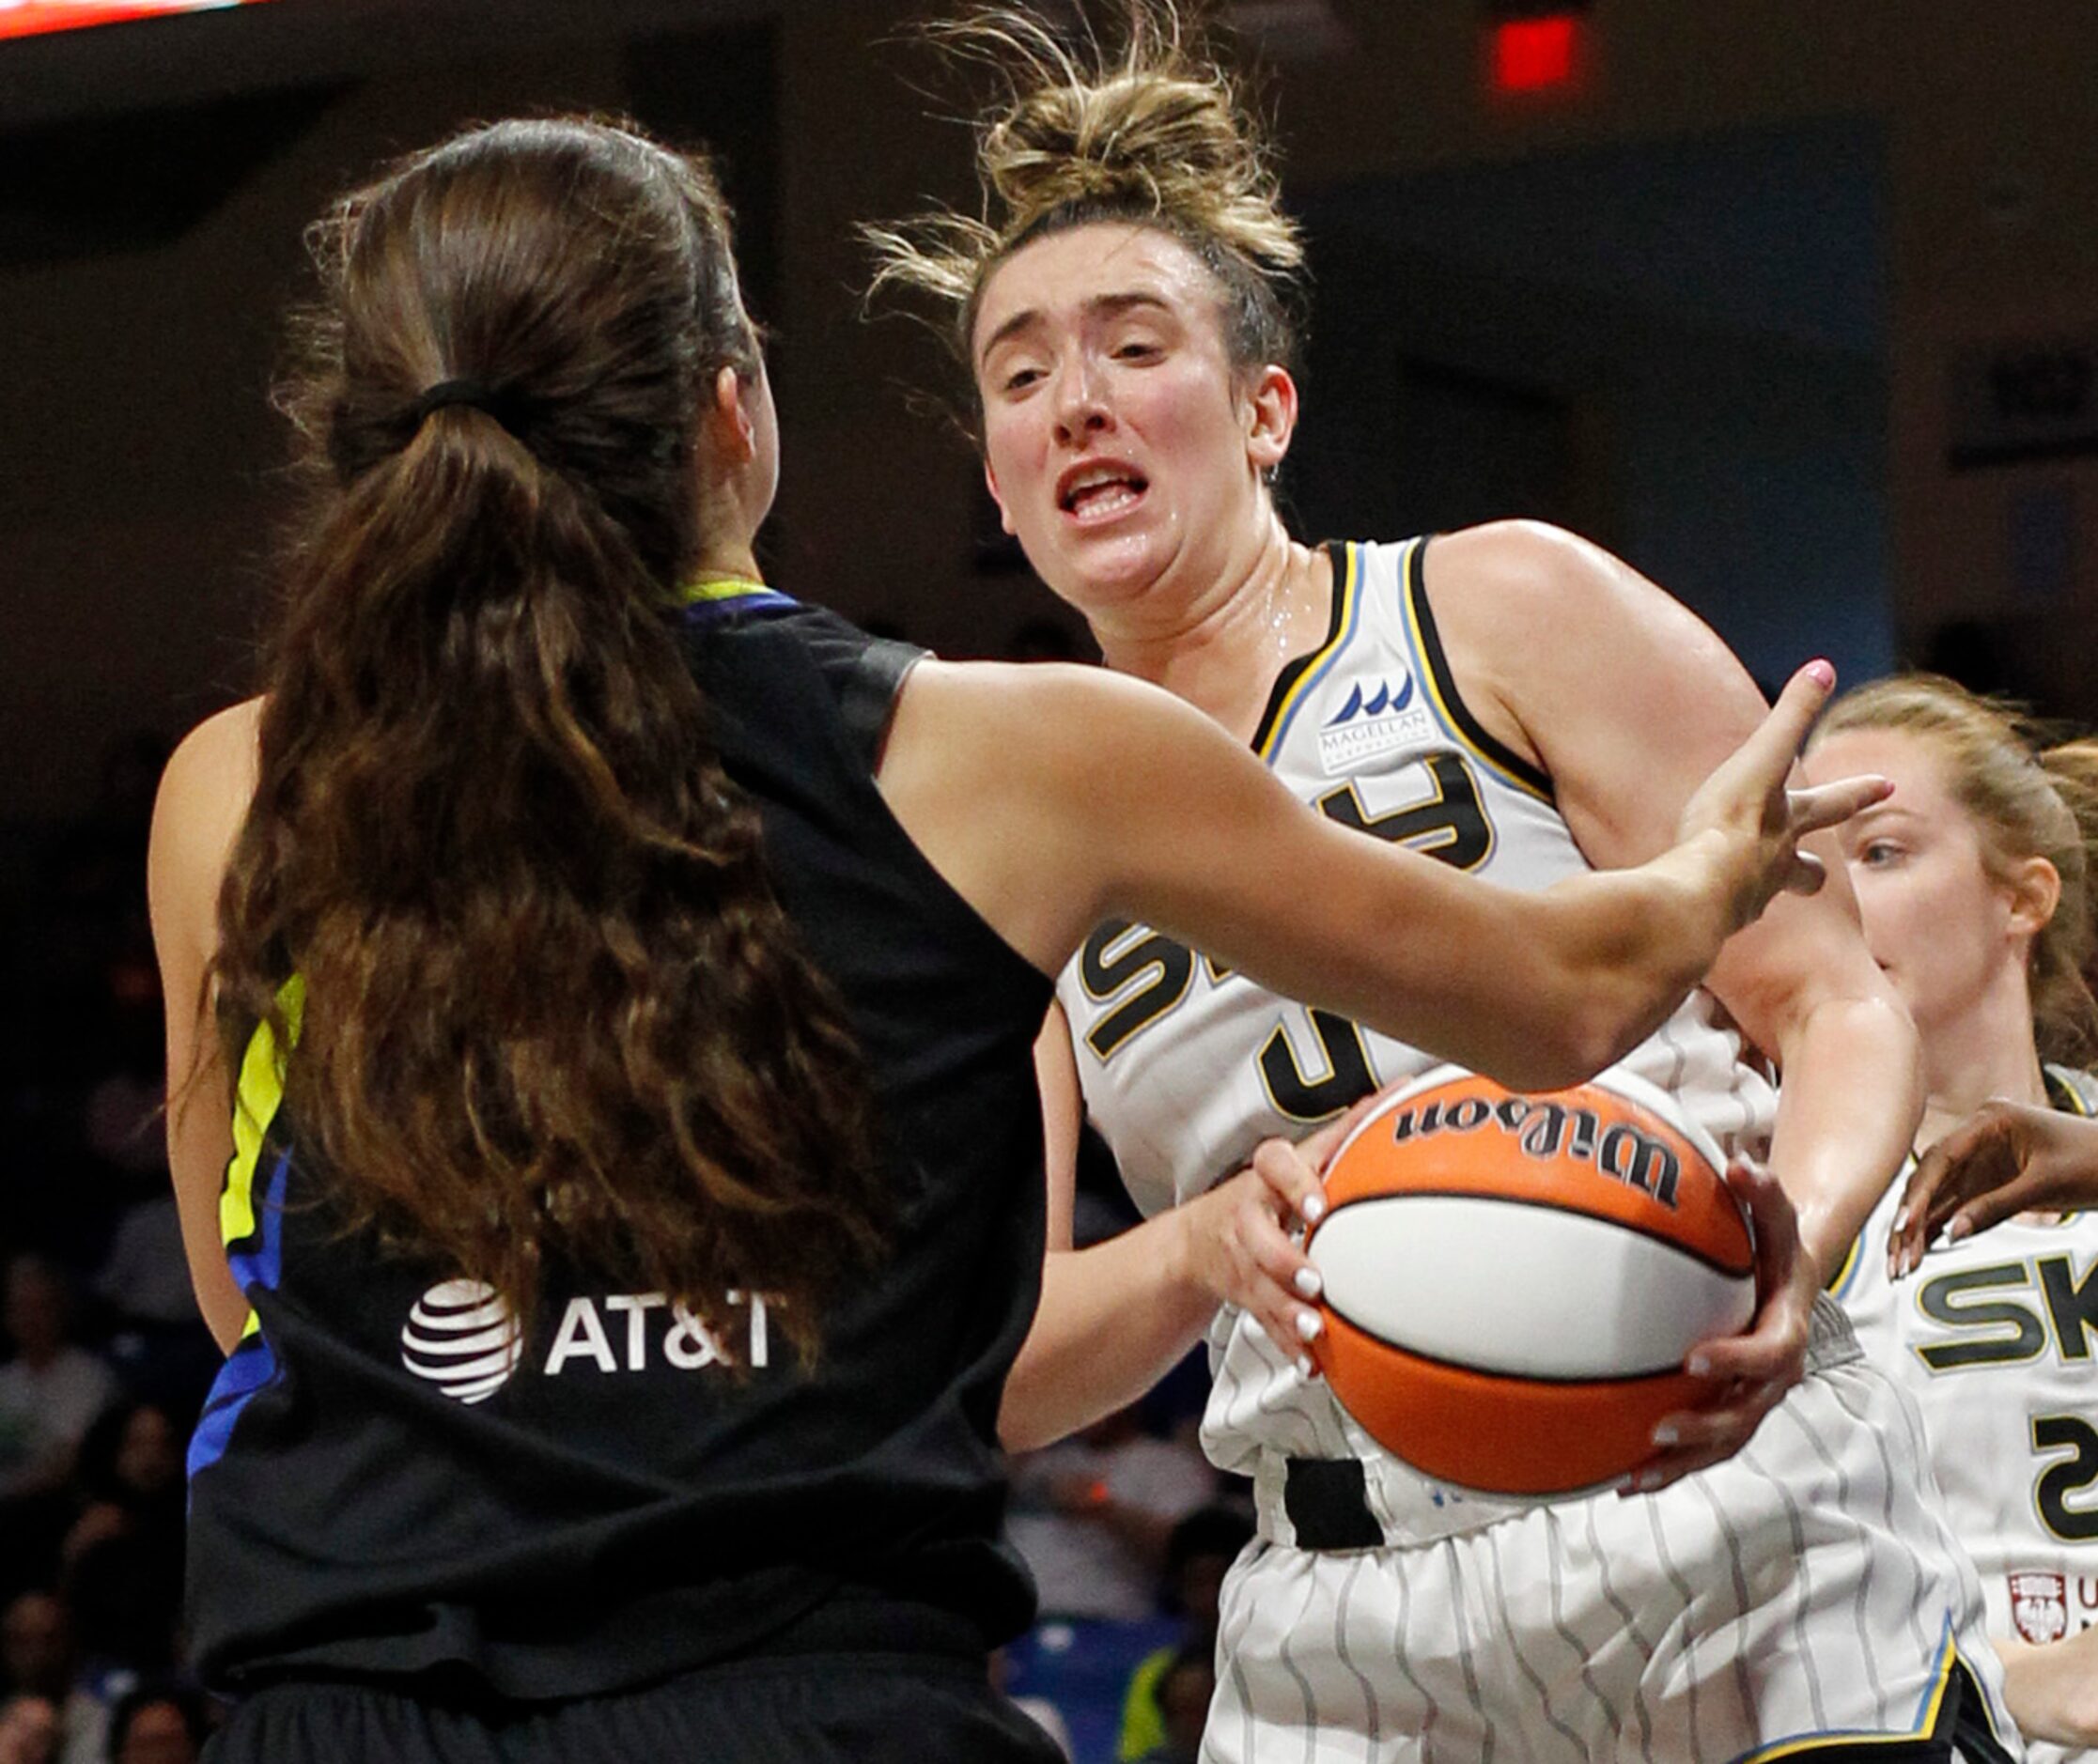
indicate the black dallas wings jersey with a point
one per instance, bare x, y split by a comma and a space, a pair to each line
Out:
1186, 1068
1994, 1336
391, 1481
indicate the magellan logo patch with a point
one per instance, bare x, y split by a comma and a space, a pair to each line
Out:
462, 1338
1378, 718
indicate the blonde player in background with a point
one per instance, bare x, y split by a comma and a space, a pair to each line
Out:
1522, 706
1975, 885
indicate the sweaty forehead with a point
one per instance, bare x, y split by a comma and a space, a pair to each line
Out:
1058, 278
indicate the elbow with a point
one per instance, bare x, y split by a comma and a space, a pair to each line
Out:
1577, 1042
1022, 1424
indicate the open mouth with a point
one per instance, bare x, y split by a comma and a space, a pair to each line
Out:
1098, 493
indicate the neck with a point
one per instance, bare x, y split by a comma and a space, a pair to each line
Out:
731, 561
1222, 647
1988, 1052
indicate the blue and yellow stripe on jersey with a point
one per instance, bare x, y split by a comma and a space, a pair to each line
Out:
1293, 685
252, 1228
1451, 710
1952, 1707
707, 598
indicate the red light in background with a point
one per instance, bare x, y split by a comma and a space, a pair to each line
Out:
1531, 53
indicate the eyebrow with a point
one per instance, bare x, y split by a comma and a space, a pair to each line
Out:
1099, 306
1880, 811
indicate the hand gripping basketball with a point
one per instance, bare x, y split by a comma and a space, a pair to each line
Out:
1513, 1282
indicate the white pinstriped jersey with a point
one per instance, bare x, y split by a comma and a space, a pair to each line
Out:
1994, 1338
1186, 1068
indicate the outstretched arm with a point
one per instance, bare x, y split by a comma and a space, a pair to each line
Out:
1113, 798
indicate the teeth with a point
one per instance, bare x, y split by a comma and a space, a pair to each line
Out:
1095, 485
1101, 500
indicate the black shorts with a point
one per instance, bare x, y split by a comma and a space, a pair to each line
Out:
807, 1708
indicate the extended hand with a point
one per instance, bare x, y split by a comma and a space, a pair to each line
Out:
2003, 1159
1746, 800
1750, 1373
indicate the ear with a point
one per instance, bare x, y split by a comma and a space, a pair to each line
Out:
2032, 890
990, 484
728, 418
1271, 417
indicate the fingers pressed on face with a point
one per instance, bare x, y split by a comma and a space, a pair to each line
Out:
1806, 875
1832, 804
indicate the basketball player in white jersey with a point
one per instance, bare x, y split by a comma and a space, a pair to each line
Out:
1975, 886
1523, 706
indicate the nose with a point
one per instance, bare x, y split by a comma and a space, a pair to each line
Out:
1081, 409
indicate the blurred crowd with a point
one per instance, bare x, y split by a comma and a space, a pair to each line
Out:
103, 1363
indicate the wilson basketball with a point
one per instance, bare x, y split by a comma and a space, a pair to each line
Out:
1512, 1282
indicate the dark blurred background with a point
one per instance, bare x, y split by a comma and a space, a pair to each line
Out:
1793, 303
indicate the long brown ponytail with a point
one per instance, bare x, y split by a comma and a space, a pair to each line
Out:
553, 1012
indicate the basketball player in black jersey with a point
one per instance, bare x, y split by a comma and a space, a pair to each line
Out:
624, 984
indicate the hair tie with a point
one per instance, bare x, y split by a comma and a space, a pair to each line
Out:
475, 393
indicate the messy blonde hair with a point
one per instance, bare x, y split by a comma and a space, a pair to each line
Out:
1150, 129
2025, 800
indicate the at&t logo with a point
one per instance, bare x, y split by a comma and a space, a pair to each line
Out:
463, 1338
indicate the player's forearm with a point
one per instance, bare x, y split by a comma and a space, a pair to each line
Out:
2053, 1689
1114, 1319
1625, 947
1853, 1095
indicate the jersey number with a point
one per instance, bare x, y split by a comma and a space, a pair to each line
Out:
1451, 828
2072, 1474
1155, 972
1111, 962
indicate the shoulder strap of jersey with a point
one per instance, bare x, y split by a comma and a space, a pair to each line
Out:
1302, 673
2074, 1090
1442, 687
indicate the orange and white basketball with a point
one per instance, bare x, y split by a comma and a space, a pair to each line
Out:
1512, 1282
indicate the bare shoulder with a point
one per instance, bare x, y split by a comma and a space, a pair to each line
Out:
203, 799
1549, 579
211, 773
1534, 617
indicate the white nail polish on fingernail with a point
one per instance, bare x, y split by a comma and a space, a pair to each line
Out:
1901, 1222
1313, 1210
1960, 1228
1309, 1325
1698, 1366
1304, 1365
1667, 1435
1307, 1283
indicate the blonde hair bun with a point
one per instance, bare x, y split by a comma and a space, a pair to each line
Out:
1154, 131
